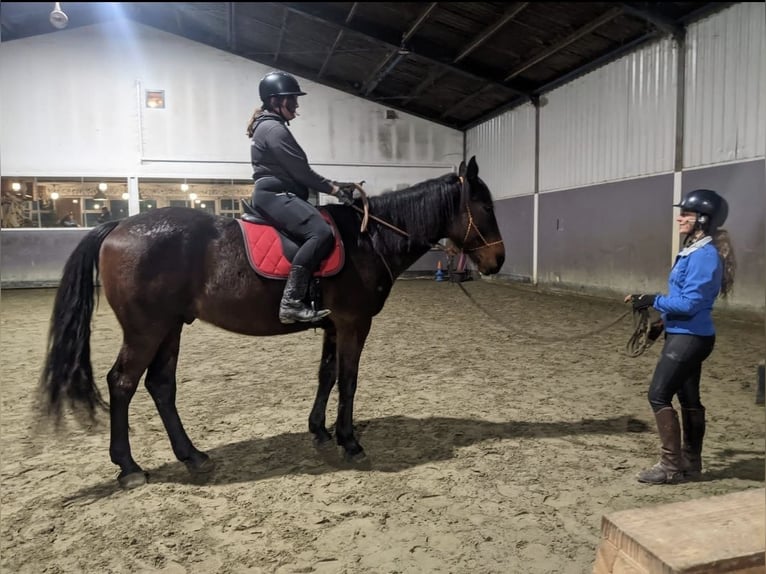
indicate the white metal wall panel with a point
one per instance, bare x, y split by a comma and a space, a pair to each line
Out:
726, 86
614, 123
72, 105
505, 150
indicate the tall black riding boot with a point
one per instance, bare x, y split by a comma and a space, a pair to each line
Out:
292, 308
668, 470
694, 432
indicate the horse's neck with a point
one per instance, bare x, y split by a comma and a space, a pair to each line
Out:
424, 230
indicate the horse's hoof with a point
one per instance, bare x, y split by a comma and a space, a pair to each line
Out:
323, 445
359, 459
133, 480
205, 467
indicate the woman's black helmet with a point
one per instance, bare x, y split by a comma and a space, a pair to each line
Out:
278, 84
711, 207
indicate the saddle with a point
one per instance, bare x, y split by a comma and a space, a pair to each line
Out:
271, 252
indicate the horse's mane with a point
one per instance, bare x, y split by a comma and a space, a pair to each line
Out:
420, 210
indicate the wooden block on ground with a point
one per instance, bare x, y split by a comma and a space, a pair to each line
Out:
706, 536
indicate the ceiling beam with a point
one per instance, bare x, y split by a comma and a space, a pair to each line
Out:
396, 56
388, 37
285, 15
463, 101
231, 37
487, 33
431, 78
655, 18
560, 45
338, 38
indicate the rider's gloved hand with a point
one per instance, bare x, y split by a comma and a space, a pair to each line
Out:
344, 191
641, 301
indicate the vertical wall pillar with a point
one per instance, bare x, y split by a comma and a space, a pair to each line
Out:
133, 201
536, 192
680, 41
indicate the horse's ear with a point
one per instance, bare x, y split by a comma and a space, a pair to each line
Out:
473, 169
461, 169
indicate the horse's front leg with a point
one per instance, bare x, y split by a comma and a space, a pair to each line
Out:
328, 374
350, 345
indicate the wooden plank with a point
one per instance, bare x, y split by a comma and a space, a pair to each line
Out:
716, 534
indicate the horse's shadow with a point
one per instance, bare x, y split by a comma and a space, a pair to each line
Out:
394, 443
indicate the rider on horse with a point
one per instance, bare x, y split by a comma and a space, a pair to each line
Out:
283, 178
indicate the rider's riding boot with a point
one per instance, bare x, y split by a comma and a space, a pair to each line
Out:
292, 308
693, 433
668, 470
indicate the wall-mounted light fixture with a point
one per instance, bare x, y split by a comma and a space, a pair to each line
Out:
54, 195
125, 195
155, 99
16, 186
184, 187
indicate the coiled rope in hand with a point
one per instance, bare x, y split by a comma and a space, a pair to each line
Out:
645, 333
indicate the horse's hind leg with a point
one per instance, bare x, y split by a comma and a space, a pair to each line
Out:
135, 354
328, 374
161, 384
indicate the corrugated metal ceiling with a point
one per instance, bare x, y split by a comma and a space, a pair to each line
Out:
456, 63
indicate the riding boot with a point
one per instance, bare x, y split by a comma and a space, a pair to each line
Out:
668, 470
292, 308
693, 433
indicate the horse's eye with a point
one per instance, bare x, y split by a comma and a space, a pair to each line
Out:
487, 208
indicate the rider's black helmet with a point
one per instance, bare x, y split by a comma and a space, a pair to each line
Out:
278, 84
711, 207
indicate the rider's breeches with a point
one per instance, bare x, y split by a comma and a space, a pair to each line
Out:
678, 371
301, 221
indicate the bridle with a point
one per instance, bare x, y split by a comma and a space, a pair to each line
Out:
471, 223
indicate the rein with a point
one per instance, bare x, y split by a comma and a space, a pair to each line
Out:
590, 333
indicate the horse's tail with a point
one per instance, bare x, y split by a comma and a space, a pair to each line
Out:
68, 374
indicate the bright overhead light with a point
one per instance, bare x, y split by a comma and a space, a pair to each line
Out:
102, 186
54, 195
125, 195
192, 196
16, 186
184, 187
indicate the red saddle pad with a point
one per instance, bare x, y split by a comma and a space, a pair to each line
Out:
264, 251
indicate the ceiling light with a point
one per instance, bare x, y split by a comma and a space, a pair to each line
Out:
57, 18
16, 186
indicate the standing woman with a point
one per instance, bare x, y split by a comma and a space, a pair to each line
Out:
283, 178
703, 269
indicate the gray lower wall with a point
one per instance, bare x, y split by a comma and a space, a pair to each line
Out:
744, 187
35, 257
515, 216
616, 238
612, 237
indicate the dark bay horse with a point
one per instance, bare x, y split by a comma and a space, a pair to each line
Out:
165, 268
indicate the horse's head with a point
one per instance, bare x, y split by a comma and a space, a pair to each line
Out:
475, 229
